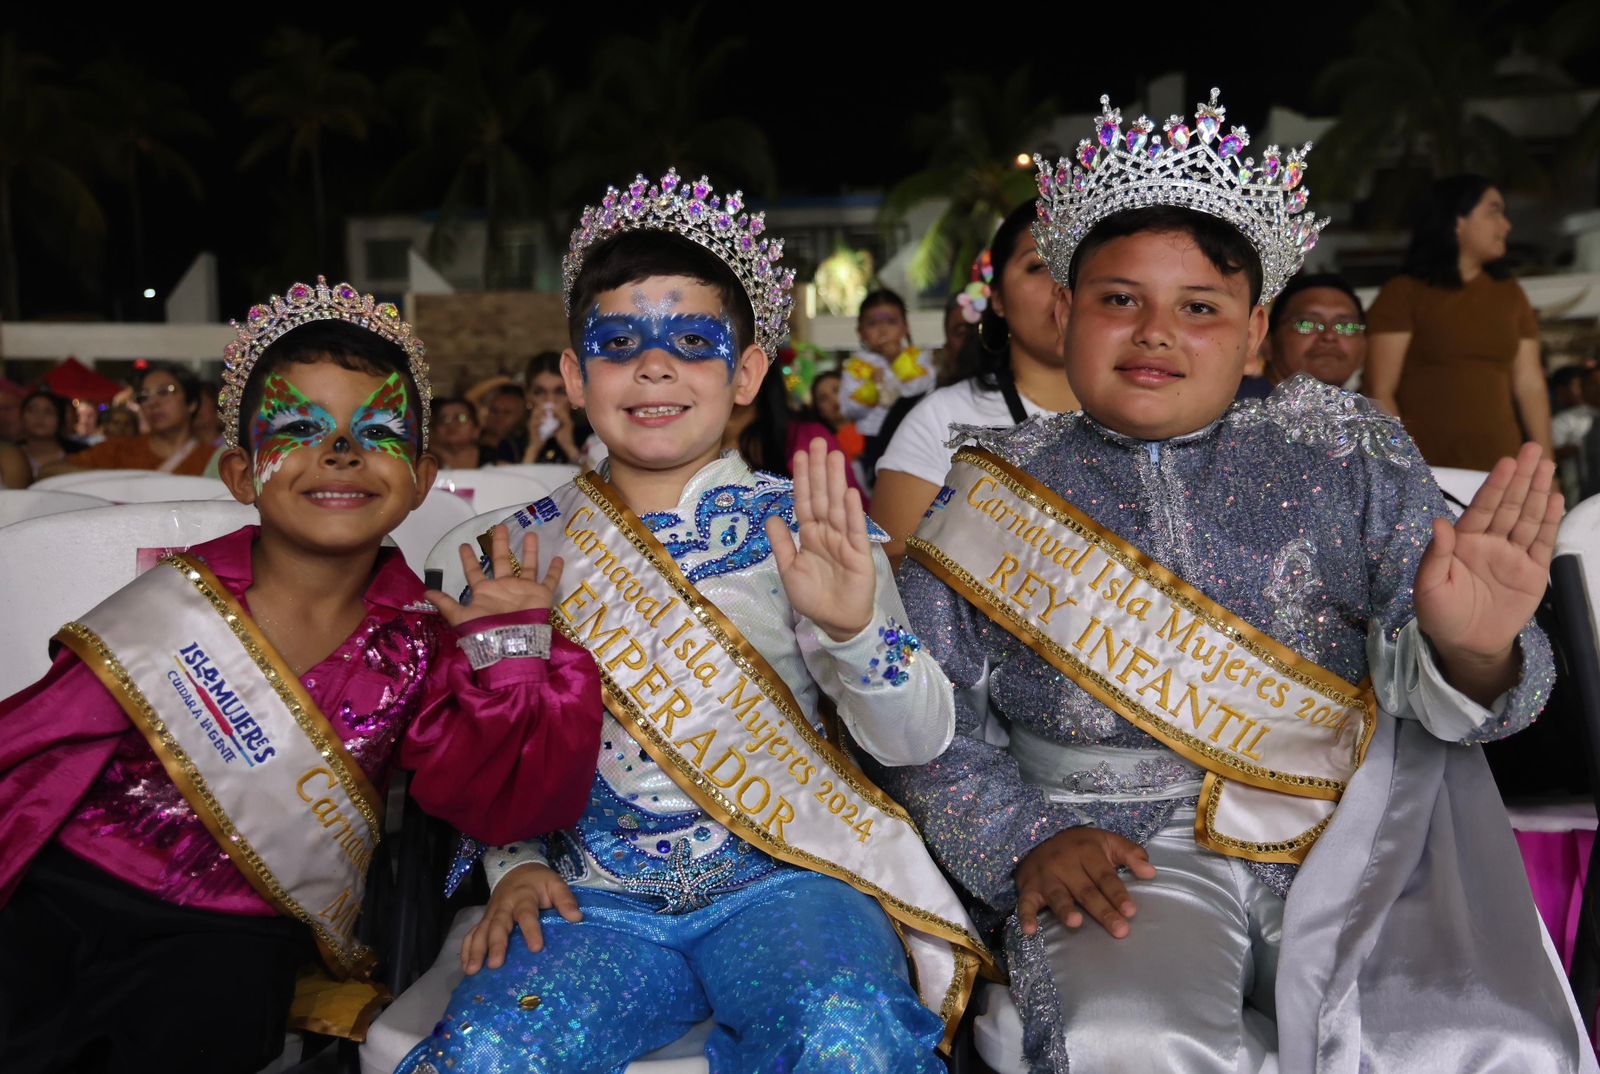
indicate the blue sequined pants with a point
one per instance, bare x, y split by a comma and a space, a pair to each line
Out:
802, 972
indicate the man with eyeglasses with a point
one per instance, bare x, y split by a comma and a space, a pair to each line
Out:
168, 397
1317, 327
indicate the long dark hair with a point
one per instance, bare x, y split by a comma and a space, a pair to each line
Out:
543, 362
764, 443
1434, 256
986, 356
63, 411
811, 411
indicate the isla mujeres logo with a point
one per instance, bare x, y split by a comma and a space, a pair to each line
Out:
220, 712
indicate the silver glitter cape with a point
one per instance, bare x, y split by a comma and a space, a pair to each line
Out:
1305, 514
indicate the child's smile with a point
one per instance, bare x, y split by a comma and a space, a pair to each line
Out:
333, 454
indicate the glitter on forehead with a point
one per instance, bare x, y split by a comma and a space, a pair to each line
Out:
657, 311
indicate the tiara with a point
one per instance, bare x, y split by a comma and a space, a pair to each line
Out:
301, 304
719, 224
1132, 169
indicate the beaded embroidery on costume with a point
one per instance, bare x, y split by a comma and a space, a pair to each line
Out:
1313, 413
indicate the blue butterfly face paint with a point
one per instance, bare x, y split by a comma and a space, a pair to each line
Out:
288, 420
385, 422
689, 337
285, 422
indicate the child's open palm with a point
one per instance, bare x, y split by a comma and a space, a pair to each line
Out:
506, 592
1481, 580
830, 579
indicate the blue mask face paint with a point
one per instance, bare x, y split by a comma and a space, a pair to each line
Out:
689, 337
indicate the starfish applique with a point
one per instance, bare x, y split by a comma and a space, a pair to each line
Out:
685, 885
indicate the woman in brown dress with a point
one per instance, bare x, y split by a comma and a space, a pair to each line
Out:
1454, 343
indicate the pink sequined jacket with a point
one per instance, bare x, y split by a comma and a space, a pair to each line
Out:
505, 753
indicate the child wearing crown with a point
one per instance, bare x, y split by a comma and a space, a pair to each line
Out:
199, 775
729, 846
1244, 658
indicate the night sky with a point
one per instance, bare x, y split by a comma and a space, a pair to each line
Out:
833, 91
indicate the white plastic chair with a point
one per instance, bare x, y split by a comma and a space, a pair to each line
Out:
69, 481
412, 1016
439, 513
549, 476
16, 505
1462, 484
446, 560
55, 568
490, 488
142, 486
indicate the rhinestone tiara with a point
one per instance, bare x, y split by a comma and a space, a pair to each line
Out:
301, 304
1133, 169
719, 224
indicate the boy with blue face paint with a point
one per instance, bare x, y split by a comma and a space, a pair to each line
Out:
727, 839
201, 769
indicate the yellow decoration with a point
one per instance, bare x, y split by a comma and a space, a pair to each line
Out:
908, 366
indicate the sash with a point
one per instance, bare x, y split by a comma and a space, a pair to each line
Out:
244, 742
1278, 736
703, 702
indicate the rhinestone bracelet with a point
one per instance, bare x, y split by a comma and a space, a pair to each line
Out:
486, 647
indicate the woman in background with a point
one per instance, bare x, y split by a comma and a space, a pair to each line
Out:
1454, 349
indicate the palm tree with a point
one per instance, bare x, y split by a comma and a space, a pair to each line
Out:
40, 160
481, 111
1572, 37
305, 93
1405, 95
139, 119
659, 110
972, 144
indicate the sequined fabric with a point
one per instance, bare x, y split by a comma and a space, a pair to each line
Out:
1305, 514
136, 821
626, 981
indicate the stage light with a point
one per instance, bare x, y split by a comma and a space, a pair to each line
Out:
149, 292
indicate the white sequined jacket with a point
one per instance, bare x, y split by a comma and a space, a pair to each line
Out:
642, 832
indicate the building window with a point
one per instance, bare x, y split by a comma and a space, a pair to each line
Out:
388, 259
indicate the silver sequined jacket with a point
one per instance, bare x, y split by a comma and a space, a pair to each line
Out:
1305, 513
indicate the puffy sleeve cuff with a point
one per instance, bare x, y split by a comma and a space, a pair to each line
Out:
1409, 684
498, 861
897, 703
507, 752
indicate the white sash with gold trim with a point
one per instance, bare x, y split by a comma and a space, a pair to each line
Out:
244, 742
705, 704
1278, 736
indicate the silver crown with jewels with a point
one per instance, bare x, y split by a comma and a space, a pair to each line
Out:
1197, 168
301, 304
719, 224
